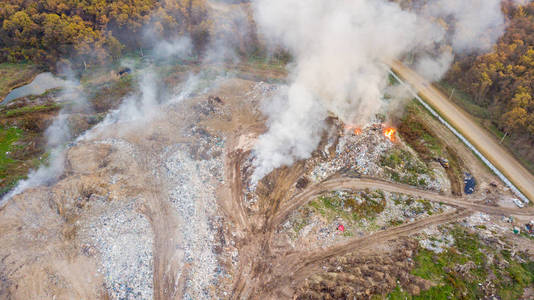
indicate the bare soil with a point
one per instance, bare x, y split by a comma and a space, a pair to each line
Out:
42, 254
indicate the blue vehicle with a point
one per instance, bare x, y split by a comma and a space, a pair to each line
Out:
469, 183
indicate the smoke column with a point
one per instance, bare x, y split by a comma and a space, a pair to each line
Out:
340, 49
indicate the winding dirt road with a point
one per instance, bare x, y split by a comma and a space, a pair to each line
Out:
282, 269
479, 137
340, 183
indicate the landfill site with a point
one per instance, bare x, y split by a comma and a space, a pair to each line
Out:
164, 208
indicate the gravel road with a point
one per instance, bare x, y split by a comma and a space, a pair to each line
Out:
479, 137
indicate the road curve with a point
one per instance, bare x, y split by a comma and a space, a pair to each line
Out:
476, 135
340, 183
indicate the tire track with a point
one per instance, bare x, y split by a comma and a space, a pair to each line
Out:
338, 183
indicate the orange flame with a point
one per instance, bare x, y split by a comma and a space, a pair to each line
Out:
390, 133
354, 129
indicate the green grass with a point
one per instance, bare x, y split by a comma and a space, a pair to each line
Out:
8, 136
418, 135
31, 109
267, 64
332, 206
8, 176
506, 142
15, 75
464, 100
440, 268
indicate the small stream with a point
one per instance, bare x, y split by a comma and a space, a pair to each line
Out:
39, 85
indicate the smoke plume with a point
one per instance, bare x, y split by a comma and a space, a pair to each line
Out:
475, 25
340, 49
58, 134
136, 108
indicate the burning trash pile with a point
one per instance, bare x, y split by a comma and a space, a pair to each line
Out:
390, 132
358, 151
361, 152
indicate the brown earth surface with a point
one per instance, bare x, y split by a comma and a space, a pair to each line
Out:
42, 254
480, 138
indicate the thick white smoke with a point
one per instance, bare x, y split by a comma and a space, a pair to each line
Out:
476, 24
340, 49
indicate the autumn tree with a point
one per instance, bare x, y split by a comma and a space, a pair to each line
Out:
503, 81
93, 31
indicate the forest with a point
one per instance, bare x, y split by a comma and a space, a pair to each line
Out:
93, 31
82, 32
502, 82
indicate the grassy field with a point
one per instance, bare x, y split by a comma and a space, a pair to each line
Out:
30, 109
508, 276
9, 173
332, 206
15, 75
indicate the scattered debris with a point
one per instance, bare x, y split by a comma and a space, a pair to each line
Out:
437, 244
122, 237
529, 227
443, 162
124, 71
518, 203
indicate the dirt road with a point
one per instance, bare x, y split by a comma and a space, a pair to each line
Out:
479, 137
340, 183
303, 265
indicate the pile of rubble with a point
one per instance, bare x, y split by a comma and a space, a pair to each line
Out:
359, 152
122, 238
437, 244
314, 227
193, 172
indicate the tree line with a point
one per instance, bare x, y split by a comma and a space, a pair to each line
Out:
93, 31
503, 81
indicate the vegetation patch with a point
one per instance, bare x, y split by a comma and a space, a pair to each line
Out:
403, 167
8, 136
31, 109
465, 272
110, 95
422, 139
349, 206
418, 135
8, 166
